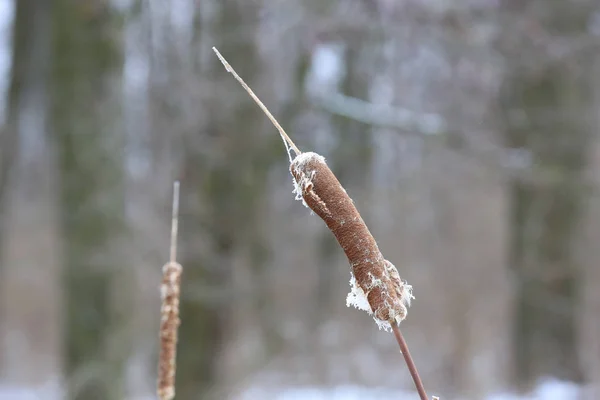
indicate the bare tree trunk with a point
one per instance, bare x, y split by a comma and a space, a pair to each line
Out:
27, 14
22, 37
555, 100
84, 120
469, 245
27, 201
544, 221
9, 143
589, 254
224, 177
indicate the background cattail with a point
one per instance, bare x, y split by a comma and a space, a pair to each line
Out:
169, 313
169, 324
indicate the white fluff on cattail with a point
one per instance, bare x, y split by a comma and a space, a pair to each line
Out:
306, 181
357, 297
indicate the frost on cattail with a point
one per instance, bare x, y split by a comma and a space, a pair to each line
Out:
375, 285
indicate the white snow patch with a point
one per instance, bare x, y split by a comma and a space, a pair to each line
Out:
546, 390
51, 390
306, 181
343, 392
307, 157
407, 293
357, 297
383, 325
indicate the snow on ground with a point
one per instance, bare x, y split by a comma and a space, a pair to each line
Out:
549, 389
49, 391
335, 393
546, 390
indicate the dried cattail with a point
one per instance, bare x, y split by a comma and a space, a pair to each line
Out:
169, 313
376, 286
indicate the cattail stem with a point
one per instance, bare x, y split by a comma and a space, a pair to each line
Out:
412, 368
174, 223
169, 313
286, 139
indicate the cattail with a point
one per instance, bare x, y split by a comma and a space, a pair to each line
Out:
376, 286
169, 313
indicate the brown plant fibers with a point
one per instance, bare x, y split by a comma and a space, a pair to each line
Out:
168, 330
387, 295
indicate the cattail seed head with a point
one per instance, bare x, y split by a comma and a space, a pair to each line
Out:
169, 324
376, 286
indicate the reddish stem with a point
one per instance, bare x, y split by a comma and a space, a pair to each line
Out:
409, 361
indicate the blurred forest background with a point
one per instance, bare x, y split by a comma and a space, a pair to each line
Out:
466, 131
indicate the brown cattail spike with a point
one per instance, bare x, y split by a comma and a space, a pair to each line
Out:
376, 286
169, 323
169, 312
